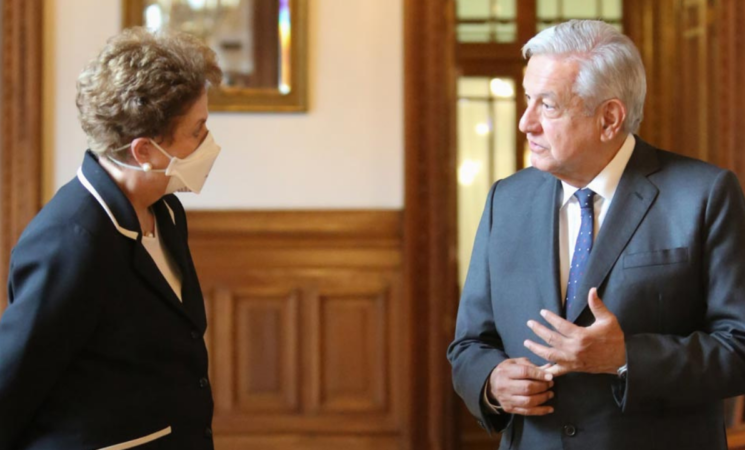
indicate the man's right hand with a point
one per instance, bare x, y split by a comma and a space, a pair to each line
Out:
521, 387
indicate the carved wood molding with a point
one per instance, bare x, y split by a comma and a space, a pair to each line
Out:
20, 148
297, 224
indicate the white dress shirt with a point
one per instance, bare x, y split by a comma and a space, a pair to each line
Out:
570, 217
164, 261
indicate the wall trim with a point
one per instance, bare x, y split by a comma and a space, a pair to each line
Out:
305, 224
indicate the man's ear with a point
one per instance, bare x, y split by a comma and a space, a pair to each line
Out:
613, 115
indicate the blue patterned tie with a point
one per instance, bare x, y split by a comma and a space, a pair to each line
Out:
582, 247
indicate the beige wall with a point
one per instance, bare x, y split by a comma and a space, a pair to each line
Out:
346, 152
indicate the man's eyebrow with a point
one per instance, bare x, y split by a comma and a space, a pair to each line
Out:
545, 94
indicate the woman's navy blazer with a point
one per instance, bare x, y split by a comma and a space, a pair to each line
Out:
96, 350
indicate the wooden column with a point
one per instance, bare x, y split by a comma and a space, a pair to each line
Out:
731, 87
430, 264
20, 138
695, 75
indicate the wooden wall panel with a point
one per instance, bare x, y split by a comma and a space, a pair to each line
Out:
350, 346
266, 342
306, 318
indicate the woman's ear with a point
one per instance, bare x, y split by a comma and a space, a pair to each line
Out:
612, 119
140, 150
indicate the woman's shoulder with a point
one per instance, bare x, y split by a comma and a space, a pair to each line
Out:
72, 218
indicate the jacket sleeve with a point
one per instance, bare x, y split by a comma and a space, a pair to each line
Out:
477, 348
51, 313
669, 370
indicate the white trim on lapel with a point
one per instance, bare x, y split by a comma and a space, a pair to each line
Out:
87, 184
141, 441
170, 211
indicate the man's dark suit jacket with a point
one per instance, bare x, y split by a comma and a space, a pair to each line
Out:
96, 350
669, 262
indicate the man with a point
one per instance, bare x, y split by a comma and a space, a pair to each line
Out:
605, 302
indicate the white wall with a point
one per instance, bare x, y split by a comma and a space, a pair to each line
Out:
346, 152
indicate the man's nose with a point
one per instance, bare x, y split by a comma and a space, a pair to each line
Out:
529, 121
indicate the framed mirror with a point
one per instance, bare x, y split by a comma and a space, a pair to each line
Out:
260, 44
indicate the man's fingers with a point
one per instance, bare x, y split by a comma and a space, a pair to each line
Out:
552, 338
527, 388
596, 304
524, 361
535, 411
529, 401
547, 353
558, 370
561, 325
524, 372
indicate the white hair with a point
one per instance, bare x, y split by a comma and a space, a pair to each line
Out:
609, 64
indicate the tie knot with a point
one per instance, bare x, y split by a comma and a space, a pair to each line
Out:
585, 197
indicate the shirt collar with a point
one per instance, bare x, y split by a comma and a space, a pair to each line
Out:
116, 205
606, 182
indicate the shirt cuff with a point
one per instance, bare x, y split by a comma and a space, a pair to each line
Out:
490, 406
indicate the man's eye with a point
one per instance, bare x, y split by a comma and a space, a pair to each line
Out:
547, 106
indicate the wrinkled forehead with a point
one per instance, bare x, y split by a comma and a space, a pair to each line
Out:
553, 76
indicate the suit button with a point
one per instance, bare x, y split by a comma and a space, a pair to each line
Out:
195, 335
203, 383
208, 432
570, 430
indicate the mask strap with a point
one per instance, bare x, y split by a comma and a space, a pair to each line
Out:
161, 149
130, 166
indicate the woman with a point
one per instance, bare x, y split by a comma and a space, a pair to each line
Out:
102, 343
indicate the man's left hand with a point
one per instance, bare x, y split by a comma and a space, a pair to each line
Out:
599, 348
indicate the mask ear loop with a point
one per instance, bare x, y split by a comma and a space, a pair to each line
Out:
145, 167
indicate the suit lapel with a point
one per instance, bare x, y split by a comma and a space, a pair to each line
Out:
175, 244
548, 202
149, 272
633, 198
124, 218
170, 236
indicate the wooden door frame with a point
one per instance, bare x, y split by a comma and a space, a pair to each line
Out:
430, 233
21, 128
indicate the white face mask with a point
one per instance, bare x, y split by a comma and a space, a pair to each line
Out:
190, 173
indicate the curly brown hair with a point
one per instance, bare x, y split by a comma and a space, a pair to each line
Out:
141, 84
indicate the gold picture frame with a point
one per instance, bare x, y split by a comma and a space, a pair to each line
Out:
277, 78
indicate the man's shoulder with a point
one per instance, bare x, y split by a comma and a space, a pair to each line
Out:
524, 178
677, 168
